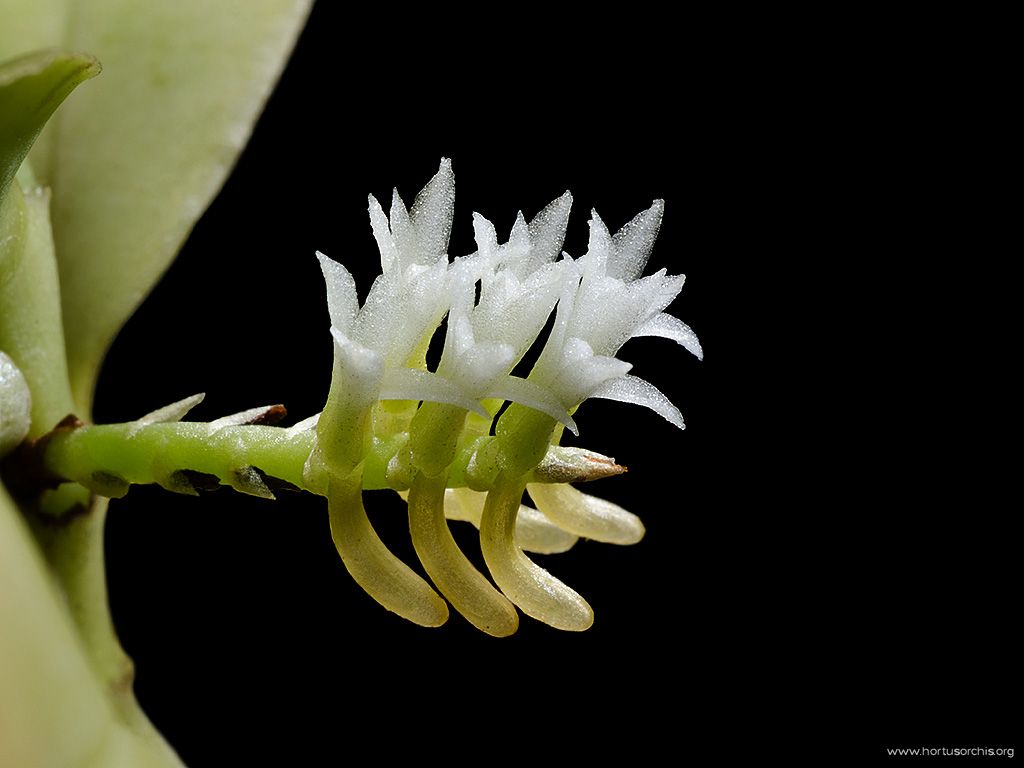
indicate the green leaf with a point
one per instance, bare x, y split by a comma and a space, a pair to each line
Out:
31, 88
53, 708
33, 25
138, 162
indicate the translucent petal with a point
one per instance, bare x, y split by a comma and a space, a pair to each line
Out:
550, 356
514, 312
401, 226
583, 371
630, 389
360, 367
417, 314
482, 363
664, 289
633, 243
519, 241
600, 247
382, 234
415, 384
342, 300
486, 237
547, 231
431, 214
586, 515
666, 326
527, 393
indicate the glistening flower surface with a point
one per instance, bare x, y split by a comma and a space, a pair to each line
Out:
435, 428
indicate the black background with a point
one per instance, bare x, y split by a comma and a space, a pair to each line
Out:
805, 578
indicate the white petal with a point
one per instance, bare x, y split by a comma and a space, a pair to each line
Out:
666, 326
382, 234
361, 369
633, 243
547, 231
514, 312
531, 395
431, 214
519, 239
416, 384
486, 237
417, 315
460, 335
600, 248
401, 226
587, 371
664, 289
550, 356
342, 301
630, 389
481, 363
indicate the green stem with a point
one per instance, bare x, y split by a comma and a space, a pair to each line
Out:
108, 458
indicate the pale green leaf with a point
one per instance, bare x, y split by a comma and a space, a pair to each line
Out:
32, 25
46, 678
31, 88
138, 162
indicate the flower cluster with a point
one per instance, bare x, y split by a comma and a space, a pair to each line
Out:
497, 301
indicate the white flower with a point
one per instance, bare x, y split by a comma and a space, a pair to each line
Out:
605, 303
519, 285
379, 348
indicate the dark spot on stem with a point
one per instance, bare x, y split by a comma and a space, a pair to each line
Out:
200, 481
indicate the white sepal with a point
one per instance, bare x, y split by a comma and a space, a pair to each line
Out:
527, 393
431, 216
666, 326
547, 233
342, 301
382, 234
634, 242
416, 384
630, 389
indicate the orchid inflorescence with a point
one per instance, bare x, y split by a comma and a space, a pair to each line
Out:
436, 437
379, 356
